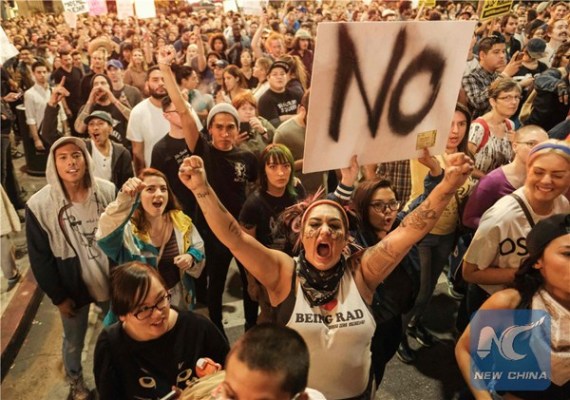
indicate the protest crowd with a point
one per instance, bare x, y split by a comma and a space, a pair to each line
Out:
175, 144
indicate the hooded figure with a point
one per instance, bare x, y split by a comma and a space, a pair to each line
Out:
61, 222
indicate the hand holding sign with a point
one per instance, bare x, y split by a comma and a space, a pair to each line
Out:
380, 102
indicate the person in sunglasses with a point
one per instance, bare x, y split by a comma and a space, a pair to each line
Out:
154, 347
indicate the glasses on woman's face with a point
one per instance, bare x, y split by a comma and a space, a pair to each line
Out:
510, 97
381, 206
145, 311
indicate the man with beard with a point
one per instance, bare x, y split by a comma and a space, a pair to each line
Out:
102, 98
147, 124
509, 29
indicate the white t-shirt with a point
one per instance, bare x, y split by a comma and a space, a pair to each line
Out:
148, 125
81, 220
500, 239
102, 167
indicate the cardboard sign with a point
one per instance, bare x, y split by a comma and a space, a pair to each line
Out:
251, 7
230, 5
495, 8
125, 9
382, 90
7, 49
70, 19
97, 7
427, 3
145, 9
75, 6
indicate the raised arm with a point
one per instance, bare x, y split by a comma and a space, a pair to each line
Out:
256, 39
505, 299
49, 130
270, 267
378, 261
164, 58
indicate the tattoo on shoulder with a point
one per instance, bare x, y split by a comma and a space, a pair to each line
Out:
234, 228
418, 219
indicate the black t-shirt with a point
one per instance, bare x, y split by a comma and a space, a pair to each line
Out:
272, 105
261, 210
86, 87
167, 156
73, 86
127, 369
228, 173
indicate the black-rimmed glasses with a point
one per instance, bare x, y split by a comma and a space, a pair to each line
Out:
381, 206
145, 312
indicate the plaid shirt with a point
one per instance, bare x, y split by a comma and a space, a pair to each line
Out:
476, 86
399, 173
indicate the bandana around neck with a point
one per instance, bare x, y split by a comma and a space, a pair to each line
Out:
319, 287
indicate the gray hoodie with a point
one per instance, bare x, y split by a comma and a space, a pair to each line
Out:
55, 258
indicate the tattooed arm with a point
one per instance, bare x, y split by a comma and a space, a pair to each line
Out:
378, 261
272, 268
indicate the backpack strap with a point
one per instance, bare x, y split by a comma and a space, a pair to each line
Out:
486, 133
524, 208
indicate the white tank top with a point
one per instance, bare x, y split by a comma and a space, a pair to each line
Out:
338, 340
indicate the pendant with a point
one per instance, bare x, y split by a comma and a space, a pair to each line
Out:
330, 305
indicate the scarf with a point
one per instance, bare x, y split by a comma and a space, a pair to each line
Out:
319, 287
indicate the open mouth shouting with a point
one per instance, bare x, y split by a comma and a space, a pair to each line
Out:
324, 250
158, 203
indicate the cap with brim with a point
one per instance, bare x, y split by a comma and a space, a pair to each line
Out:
115, 64
387, 12
99, 114
542, 6
303, 34
545, 231
536, 48
279, 64
222, 108
221, 64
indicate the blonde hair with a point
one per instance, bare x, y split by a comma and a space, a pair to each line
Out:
551, 146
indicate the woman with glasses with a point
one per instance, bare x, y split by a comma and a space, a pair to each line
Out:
551, 104
490, 135
145, 223
375, 208
154, 347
